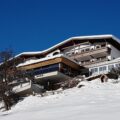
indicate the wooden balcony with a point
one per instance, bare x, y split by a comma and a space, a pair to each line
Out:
91, 53
88, 63
49, 62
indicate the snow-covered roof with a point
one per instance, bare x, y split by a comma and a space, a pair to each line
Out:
33, 61
70, 39
84, 38
29, 53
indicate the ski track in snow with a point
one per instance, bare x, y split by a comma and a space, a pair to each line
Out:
94, 101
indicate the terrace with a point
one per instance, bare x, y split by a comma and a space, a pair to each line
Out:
87, 53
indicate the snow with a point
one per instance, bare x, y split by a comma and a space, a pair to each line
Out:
70, 39
94, 101
32, 61
22, 87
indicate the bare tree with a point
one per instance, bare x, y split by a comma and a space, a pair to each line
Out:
4, 75
8, 74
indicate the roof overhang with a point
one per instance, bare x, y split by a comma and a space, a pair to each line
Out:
49, 61
109, 38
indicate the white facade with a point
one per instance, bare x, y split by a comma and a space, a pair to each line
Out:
104, 67
94, 68
115, 53
87, 51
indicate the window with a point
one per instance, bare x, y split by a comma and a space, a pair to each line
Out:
103, 68
100, 69
46, 69
94, 70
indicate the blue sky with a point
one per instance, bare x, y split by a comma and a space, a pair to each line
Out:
34, 25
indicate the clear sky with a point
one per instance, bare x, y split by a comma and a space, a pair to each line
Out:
34, 25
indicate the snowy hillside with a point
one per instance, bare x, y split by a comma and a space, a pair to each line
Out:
94, 101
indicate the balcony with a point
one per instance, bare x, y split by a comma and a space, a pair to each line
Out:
87, 63
88, 53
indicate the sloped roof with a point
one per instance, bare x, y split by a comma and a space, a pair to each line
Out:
110, 38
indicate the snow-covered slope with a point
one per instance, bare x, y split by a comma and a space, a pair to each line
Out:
94, 101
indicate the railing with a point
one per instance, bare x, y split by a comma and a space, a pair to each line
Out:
87, 51
93, 62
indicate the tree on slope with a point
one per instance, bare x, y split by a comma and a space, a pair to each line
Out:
5, 76
8, 74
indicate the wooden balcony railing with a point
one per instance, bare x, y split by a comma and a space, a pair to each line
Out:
93, 62
92, 52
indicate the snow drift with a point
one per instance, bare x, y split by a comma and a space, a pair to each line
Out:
94, 101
